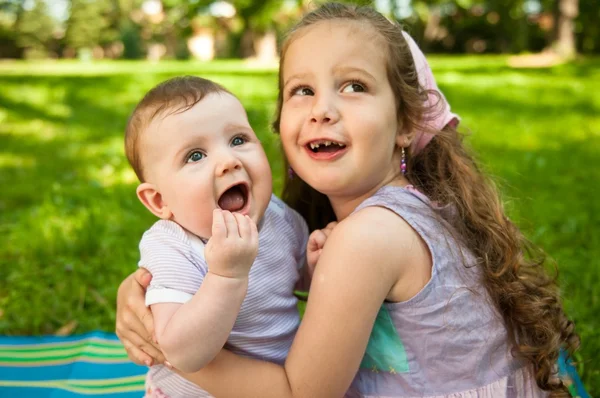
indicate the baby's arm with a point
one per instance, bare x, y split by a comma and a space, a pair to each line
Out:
192, 334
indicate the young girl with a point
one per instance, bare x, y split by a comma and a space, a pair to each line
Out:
424, 288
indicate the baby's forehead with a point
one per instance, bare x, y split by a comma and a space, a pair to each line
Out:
213, 114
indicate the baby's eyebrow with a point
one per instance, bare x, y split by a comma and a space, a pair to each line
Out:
195, 141
236, 127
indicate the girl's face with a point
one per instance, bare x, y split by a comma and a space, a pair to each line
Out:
339, 127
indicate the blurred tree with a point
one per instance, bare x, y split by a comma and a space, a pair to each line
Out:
34, 28
565, 12
162, 28
91, 24
131, 40
257, 19
8, 37
511, 33
126, 16
588, 26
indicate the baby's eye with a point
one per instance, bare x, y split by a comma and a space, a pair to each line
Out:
354, 87
237, 141
302, 91
195, 156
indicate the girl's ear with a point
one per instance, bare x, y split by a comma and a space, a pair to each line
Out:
153, 200
403, 139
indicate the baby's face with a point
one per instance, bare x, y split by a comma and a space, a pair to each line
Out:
205, 158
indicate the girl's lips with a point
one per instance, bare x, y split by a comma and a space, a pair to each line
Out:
325, 155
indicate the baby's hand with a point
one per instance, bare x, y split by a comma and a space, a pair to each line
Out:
316, 242
233, 246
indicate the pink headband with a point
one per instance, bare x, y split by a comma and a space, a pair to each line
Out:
443, 115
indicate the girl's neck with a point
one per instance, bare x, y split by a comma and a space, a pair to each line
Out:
343, 205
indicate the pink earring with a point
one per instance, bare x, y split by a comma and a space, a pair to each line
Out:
403, 162
291, 173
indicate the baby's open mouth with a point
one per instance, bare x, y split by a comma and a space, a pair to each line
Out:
325, 146
235, 198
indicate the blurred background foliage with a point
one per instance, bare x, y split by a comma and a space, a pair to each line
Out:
155, 29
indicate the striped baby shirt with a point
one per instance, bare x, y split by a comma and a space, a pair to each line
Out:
268, 318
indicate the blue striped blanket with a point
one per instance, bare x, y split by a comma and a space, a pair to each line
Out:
95, 364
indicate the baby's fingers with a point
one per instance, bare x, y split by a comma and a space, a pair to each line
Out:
243, 225
253, 230
231, 224
327, 230
219, 229
316, 240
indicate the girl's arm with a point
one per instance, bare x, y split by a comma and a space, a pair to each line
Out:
358, 267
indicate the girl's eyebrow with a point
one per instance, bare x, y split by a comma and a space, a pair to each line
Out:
352, 69
297, 76
336, 70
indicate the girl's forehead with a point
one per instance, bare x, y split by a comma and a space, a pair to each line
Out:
336, 41
362, 30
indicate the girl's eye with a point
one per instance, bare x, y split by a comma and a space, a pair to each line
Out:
354, 87
237, 141
195, 156
303, 91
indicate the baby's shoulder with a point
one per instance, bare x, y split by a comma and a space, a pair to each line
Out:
278, 209
166, 230
167, 239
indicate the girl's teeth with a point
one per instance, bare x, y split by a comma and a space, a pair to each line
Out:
316, 145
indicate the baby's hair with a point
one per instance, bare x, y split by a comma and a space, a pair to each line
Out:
513, 269
175, 95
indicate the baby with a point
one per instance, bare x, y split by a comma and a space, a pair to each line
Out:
226, 254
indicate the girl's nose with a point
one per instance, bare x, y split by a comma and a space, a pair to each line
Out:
324, 110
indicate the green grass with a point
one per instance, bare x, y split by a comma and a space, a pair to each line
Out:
70, 221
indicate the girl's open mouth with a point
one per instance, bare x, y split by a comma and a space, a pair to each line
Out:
325, 146
325, 149
234, 199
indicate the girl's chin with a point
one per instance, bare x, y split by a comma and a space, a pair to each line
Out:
327, 186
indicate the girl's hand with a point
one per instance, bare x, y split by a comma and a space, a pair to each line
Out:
135, 326
316, 242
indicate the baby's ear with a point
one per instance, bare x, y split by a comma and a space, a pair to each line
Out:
153, 200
